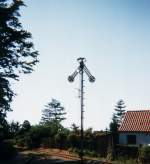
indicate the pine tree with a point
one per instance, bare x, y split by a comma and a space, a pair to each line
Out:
116, 120
14, 128
119, 111
17, 54
53, 111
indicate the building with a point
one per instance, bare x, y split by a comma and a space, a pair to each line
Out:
135, 128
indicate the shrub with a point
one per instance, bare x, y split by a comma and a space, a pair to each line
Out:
74, 150
7, 151
46, 142
125, 151
144, 154
90, 153
73, 140
20, 142
10, 141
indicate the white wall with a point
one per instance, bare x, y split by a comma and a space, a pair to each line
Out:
141, 138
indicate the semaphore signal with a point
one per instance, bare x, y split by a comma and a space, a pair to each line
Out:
81, 70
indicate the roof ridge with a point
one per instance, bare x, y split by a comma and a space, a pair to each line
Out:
138, 110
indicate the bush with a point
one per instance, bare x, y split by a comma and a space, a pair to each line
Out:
33, 138
90, 153
144, 154
10, 141
46, 142
7, 151
20, 142
73, 140
125, 151
86, 152
74, 150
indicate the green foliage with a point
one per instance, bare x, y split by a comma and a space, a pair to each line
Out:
14, 128
25, 127
53, 111
116, 120
114, 131
87, 152
54, 125
74, 136
122, 154
144, 154
6, 95
90, 153
73, 140
46, 142
124, 160
94, 142
36, 134
52, 134
7, 150
4, 129
126, 151
75, 129
74, 150
100, 143
17, 54
88, 139
22, 134
20, 141
16, 49
119, 111
41, 135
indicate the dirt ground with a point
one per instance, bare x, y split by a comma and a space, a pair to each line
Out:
47, 156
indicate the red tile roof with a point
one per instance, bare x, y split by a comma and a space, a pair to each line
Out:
136, 121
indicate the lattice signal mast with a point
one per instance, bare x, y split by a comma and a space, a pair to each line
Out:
81, 70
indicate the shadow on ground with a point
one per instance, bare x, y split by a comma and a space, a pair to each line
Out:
42, 159
36, 159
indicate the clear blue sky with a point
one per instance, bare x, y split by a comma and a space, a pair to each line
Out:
114, 37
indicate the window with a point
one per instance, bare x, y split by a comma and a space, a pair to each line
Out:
131, 139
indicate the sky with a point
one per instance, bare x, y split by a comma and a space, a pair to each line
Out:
113, 36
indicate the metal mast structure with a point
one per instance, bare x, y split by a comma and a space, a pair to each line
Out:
81, 70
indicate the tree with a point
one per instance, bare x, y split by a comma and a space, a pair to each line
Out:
61, 138
119, 111
114, 131
26, 126
36, 134
75, 129
17, 54
116, 120
14, 128
3, 128
53, 111
24, 129
88, 139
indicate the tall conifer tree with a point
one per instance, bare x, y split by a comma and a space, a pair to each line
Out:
116, 120
17, 54
119, 111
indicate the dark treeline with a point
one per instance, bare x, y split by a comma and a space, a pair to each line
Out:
54, 135
50, 133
